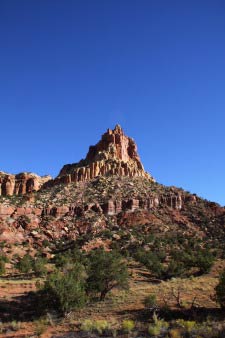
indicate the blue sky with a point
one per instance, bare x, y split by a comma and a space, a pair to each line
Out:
70, 69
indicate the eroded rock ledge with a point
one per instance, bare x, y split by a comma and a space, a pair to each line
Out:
21, 183
111, 207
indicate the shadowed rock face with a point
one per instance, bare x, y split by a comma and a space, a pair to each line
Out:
21, 183
114, 154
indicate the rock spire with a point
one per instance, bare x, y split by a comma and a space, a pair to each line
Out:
114, 154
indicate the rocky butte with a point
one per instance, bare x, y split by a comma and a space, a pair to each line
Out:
114, 154
109, 188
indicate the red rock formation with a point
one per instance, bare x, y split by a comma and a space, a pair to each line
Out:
114, 154
21, 183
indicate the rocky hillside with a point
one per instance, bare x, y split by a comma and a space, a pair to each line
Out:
109, 189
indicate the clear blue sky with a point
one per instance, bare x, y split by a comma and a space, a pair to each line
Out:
69, 69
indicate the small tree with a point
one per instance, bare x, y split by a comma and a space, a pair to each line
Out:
220, 290
106, 271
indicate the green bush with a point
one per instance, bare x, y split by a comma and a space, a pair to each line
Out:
64, 290
2, 267
204, 261
198, 257
174, 269
150, 301
99, 325
220, 290
25, 264
128, 325
158, 326
87, 325
3, 260
39, 267
152, 261
70, 257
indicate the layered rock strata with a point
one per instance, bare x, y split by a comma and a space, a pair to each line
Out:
111, 207
21, 183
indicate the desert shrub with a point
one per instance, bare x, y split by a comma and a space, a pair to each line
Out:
128, 325
39, 267
70, 257
173, 269
2, 267
3, 260
14, 325
107, 233
204, 261
45, 243
158, 326
152, 261
220, 290
197, 257
101, 325
40, 325
87, 325
154, 330
187, 325
106, 271
150, 301
95, 325
2, 244
25, 264
64, 290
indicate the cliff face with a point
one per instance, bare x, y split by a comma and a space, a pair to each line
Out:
114, 154
21, 183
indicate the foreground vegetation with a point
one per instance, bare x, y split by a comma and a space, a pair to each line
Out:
140, 286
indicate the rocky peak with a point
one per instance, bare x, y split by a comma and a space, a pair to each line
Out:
114, 154
114, 145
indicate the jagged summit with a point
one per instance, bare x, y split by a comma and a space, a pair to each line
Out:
114, 154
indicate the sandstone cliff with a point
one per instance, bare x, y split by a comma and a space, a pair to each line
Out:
21, 183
